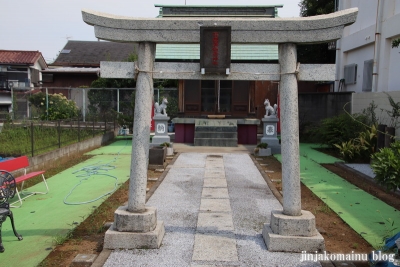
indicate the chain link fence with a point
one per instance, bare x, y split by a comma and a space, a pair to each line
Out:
32, 138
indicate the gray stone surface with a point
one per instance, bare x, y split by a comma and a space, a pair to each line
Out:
270, 134
125, 221
212, 182
114, 239
186, 30
161, 129
211, 247
141, 129
264, 152
117, 70
289, 130
215, 132
239, 71
251, 203
215, 205
160, 139
83, 260
297, 244
214, 222
363, 168
303, 225
215, 193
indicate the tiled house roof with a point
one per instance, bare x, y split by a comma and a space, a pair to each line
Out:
90, 53
20, 57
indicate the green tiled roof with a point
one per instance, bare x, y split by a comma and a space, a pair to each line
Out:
238, 52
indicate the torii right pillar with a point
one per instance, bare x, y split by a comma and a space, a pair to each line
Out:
291, 229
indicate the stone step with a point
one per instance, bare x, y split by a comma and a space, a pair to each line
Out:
215, 135
222, 129
215, 123
223, 142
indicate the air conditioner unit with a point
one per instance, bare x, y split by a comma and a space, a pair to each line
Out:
13, 84
350, 74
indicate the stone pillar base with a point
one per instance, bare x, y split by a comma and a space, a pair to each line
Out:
131, 240
134, 229
160, 139
292, 233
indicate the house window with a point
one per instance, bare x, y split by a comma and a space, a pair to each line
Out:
34, 75
350, 74
367, 75
47, 77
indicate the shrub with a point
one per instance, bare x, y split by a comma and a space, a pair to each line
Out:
339, 129
262, 145
166, 144
59, 107
360, 148
386, 165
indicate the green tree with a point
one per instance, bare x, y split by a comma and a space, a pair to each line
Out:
59, 106
316, 53
316, 7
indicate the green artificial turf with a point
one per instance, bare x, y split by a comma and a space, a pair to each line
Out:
44, 219
370, 217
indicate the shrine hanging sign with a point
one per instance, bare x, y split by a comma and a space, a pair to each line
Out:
215, 49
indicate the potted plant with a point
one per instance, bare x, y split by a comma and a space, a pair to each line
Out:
170, 149
262, 150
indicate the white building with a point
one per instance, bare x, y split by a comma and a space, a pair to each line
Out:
366, 62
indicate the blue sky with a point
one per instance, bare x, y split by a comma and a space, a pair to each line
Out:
47, 25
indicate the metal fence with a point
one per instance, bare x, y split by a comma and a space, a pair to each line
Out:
118, 99
37, 137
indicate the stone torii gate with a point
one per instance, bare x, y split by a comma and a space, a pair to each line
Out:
290, 229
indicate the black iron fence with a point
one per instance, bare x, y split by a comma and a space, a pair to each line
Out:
37, 137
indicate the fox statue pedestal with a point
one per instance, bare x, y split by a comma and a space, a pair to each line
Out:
270, 134
161, 129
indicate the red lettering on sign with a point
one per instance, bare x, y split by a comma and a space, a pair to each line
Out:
215, 48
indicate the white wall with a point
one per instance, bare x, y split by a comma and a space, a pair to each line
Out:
361, 101
358, 43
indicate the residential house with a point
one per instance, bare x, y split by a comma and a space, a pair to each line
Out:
20, 71
78, 65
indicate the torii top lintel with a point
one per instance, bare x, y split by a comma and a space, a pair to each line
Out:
316, 29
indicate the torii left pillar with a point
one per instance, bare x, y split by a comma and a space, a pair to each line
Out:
136, 225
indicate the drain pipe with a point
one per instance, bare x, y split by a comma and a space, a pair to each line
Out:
338, 56
377, 48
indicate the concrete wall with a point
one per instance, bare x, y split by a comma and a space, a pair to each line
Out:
57, 157
358, 43
361, 101
313, 107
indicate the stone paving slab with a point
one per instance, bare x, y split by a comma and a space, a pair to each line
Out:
208, 222
185, 214
212, 247
215, 193
212, 182
215, 205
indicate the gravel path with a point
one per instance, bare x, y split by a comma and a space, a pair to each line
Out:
178, 200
